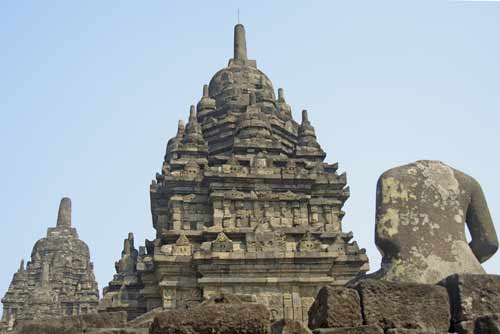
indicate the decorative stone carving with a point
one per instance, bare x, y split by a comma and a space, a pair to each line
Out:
182, 246
309, 243
222, 243
128, 261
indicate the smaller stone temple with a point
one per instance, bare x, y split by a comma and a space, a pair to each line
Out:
59, 279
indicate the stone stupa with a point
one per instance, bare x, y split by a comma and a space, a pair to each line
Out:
59, 280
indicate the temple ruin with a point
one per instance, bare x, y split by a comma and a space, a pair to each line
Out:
244, 204
59, 279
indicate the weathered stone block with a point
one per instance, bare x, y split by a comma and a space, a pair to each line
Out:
101, 320
472, 296
404, 305
74, 324
288, 326
350, 330
488, 324
335, 307
119, 331
411, 331
219, 318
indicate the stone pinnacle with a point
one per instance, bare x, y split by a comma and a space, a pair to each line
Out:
281, 95
240, 43
305, 119
64, 216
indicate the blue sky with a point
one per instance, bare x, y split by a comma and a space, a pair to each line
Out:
91, 91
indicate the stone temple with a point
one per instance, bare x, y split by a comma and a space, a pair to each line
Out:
59, 279
244, 204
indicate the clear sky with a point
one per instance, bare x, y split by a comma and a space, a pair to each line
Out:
90, 92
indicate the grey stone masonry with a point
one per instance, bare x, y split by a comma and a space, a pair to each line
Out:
59, 280
244, 204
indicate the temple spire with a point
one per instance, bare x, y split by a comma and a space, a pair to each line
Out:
180, 129
193, 133
240, 43
305, 118
192, 114
281, 95
64, 216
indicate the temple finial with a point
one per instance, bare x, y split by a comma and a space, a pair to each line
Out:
240, 43
305, 119
281, 95
192, 113
64, 215
21, 266
205, 90
180, 128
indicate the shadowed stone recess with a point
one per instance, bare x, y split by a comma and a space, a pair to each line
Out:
422, 210
59, 280
244, 204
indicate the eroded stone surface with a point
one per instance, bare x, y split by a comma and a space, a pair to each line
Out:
404, 305
335, 307
411, 331
350, 330
487, 324
422, 209
289, 326
473, 296
74, 324
59, 280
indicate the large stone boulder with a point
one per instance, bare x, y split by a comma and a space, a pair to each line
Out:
392, 305
421, 212
335, 307
216, 318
